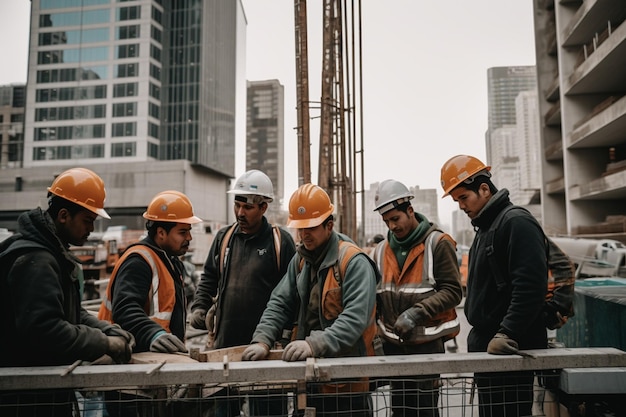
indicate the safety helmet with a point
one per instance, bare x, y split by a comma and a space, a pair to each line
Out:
252, 185
390, 194
309, 206
81, 186
459, 169
171, 206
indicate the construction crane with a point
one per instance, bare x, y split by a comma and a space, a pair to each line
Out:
341, 129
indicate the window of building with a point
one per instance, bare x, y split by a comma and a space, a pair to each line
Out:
153, 150
156, 33
124, 149
155, 91
157, 15
128, 13
153, 130
153, 110
49, 153
155, 52
124, 109
125, 90
127, 70
155, 72
128, 32
127, 51
124, 129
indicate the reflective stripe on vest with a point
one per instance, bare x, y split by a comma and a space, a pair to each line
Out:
162, 297
420, 258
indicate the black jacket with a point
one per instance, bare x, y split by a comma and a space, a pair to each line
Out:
521, 255
130, 292
42, 319
250, 275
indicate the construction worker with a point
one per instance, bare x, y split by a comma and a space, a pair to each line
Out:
41, 283
506, 285
246, 261
417, 295
145, 294
330, 292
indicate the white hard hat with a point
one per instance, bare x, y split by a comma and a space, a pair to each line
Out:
253, 187
391, 194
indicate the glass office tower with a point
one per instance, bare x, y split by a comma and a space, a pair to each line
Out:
132, 81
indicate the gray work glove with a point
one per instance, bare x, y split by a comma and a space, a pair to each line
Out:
501, 344
297, 350
118, 349
255, 352
116, 330
407, 321
167, 343
197, 319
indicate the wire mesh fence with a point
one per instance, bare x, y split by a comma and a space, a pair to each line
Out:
368, 387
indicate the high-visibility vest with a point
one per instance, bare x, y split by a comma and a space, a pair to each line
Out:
162, 297
416, 281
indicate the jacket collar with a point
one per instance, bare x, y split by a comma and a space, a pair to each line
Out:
495, 205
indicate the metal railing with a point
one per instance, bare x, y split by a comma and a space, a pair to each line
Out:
157, 389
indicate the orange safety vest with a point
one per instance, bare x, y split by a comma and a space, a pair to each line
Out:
410, 283
332, 306
160, 302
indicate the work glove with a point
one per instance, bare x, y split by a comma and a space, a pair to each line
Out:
118, 349
116, 330
501, 344
553, 318
197, 318
255, 352
167, 343
297, 350
407, 321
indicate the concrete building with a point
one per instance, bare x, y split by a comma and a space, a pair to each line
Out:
142, 92
12, 106
580, 56
265, 136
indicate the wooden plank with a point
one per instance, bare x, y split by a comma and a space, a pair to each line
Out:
156, 357
233, 354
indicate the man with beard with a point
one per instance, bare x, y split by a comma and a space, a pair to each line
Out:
246, 261
145, 294
40, 288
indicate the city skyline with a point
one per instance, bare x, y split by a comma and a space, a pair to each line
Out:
424, 81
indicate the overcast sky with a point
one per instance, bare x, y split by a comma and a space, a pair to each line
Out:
424, 73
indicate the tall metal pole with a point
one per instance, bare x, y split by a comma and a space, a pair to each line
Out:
302, 92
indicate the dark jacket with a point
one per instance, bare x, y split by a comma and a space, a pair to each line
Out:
250, 275
521, 254
42, 319
131, 290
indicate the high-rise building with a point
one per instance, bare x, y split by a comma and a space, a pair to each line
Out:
579, 53
503, 86
128, 87
12, 126
265, 133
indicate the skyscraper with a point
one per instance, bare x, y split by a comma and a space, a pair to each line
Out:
128, 82
11, 125
265, 131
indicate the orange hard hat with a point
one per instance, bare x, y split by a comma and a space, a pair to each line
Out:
81, 186
171, 206
309, 206
459, 169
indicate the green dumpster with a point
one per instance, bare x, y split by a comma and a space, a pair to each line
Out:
600, 314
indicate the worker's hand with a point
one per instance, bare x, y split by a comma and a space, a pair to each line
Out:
553, 318
407, 321
501, 344
118, 349
116, 330
196, 319
167, 343
255, 352
297, 350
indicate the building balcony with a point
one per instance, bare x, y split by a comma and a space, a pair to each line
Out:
607, 126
